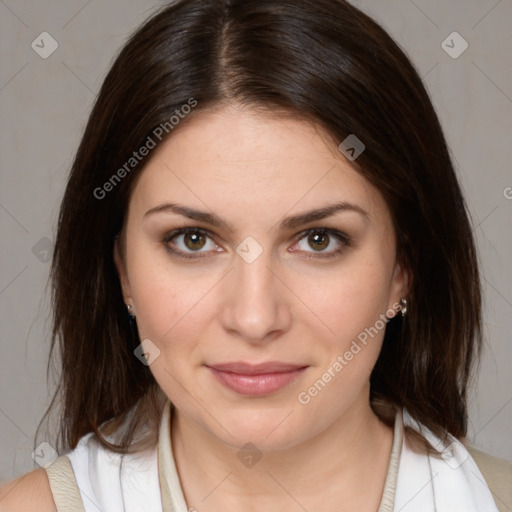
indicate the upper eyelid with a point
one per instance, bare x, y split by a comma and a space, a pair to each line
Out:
188, 229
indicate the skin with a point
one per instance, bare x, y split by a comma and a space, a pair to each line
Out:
253, 170
28, 492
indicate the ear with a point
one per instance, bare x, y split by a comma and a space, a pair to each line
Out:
121, 271
400, 286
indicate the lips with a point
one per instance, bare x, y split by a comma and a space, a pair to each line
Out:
256, 369
256, 379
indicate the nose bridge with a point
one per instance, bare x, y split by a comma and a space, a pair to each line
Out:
252, 268
254, 278
254, 305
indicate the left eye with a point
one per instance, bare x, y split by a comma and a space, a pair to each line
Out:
323, 241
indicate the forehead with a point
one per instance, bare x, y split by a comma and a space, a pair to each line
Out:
244, 162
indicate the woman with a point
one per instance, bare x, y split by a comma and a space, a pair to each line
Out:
265, 283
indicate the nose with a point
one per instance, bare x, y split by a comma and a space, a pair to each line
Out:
254, 305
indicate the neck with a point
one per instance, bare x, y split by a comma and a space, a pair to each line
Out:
347, 462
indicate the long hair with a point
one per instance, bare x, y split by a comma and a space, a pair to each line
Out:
322, 60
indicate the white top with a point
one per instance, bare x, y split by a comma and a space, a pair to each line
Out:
92, 478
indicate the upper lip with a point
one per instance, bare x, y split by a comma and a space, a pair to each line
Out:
243, 368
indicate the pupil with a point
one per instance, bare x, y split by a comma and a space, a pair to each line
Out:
319, 240
194, 240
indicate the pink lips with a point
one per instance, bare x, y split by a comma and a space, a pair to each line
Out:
256, 380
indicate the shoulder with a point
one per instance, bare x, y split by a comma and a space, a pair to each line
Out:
497, 473
491, 464
28, 492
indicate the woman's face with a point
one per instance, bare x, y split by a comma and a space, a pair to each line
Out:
289, 263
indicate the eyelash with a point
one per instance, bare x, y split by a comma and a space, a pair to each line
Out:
342, 237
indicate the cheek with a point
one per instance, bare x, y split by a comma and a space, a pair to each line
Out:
351, 303
172, 313
169, 303
349, 298
353, 308
167, 312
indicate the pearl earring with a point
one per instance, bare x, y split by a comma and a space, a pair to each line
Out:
403, 306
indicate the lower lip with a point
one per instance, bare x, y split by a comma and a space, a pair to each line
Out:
256, 385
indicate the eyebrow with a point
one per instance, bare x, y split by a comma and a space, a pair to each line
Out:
287, 223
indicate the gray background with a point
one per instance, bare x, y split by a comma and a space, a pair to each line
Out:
45, 103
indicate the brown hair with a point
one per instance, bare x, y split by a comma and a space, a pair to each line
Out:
322, 60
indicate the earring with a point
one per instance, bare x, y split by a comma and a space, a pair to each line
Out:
403, 306
129, 307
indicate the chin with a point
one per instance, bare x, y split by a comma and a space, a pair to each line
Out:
269, 429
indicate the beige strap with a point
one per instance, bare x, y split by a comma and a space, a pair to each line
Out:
498, 475
64, 486
387, 503
167, 501
171, 492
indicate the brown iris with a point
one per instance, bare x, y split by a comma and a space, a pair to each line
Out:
318, 241
194, 240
